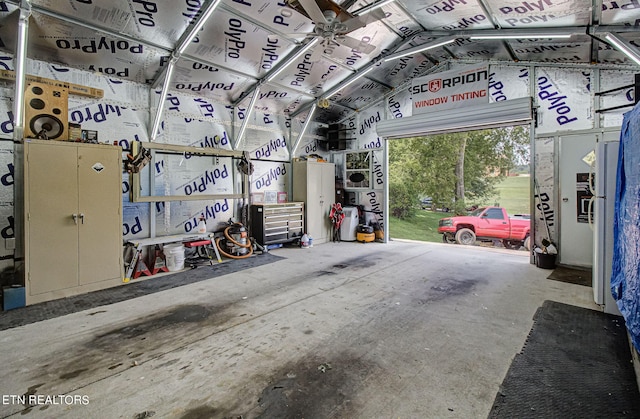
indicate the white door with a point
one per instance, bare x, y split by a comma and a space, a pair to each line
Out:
576, 234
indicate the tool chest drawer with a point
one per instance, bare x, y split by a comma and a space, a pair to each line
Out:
277, 223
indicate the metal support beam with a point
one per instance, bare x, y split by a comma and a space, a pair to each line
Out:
302, 132
245, 122
163, 96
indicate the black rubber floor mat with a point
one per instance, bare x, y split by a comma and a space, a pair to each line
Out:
572, 275
50, 309
576, 363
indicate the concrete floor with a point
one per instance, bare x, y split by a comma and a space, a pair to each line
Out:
340, 330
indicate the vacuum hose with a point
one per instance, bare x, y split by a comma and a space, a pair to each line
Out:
248, 245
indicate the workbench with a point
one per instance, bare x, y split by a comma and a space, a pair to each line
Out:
138, 244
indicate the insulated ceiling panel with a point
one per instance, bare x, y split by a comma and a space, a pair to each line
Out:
270, 99
396, 19
616, 12
61, 42
158, 22
541, 13
276, 16
360, 94
397, 71
449, 14
9, 16
575, 50
234, 42
465, 48
208, 81
312, 77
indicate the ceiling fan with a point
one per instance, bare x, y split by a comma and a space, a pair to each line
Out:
333, 23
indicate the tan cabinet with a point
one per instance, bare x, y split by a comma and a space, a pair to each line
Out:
73, 218
314, 184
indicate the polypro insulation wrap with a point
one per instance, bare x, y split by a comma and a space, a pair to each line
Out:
625, 275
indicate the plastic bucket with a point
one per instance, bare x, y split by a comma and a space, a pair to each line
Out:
174, 253
545, 260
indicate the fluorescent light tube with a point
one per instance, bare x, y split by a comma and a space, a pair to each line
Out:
291, 59
247, 115
372, 6
522, 34
346, 83
194, 31
302, 132
419, 48
624, 46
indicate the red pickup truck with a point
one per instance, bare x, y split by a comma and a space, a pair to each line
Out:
487, 224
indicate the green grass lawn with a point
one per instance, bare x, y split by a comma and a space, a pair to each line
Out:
423, 226
513, 194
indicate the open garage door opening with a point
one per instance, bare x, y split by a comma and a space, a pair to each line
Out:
480, 174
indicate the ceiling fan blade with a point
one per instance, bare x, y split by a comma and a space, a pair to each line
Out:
313, 10
355, 44
363, 20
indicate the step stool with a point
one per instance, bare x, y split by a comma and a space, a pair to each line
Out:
204, 245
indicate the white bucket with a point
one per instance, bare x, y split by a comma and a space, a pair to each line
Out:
174, 253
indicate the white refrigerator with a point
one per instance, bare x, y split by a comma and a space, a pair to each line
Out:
606, 165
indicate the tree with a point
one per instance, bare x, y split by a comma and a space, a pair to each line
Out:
452, 168
459, 171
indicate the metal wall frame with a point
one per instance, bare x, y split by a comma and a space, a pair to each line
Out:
179, 149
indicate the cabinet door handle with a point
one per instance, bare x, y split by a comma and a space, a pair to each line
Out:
82, 218
75, 218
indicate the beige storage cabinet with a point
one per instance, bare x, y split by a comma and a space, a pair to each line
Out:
314, 184
73, 218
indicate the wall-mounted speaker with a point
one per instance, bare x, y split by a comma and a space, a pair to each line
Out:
46, 112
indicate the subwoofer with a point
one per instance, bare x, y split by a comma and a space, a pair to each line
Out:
46, 112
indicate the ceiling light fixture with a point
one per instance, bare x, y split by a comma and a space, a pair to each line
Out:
528, 34
624, 46
291, 59
303, 130
373, 6
168, 76
194, 31
346, 82
419, 48
247, 115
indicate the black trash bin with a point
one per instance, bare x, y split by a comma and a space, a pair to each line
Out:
545, 260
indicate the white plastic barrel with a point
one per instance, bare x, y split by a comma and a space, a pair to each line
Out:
174, 254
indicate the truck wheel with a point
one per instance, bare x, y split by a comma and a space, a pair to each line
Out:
527, 243
465, 236
448, 238
508, 244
